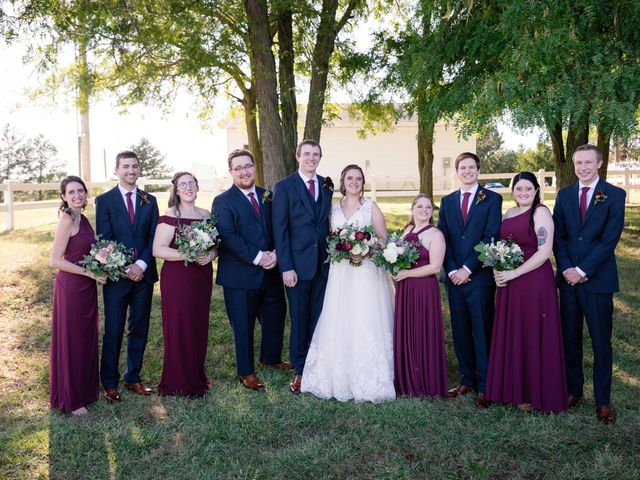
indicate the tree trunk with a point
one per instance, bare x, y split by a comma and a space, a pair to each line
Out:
266, 91
604, 139
83, 109
251, 120
577, 134
288, 107
425, 154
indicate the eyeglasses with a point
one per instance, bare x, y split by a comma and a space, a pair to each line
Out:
247, 167
185, 185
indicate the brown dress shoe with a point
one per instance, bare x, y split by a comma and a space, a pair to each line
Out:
251, 382
280, 366
605, 414
112, 395
138, 388
296, 384
459, 390
481, 401
574, 400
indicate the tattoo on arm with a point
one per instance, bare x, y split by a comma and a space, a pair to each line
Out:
542, 236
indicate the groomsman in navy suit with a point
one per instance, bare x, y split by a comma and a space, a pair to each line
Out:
467, 217
127, 215
588, 217
301, 205
246, 269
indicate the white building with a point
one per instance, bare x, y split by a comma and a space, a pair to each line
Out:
390, 159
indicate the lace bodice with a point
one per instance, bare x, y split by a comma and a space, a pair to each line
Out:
361, 217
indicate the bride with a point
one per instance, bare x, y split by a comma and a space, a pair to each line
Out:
351, 353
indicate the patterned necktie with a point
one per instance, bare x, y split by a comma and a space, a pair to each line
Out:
254, 202
312, 189
132, 216
583, 203
465, 206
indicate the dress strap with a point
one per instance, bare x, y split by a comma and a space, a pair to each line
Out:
421, 230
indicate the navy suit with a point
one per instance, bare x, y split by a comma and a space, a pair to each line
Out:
471, 305
112, 222
300, 229
250, 291
590, 246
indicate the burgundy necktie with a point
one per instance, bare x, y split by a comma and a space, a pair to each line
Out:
465, 206
132, 215
583, 203
312, 189
254, 202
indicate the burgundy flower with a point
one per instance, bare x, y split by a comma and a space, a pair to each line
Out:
339, 247
367, 235
481, 197
360, 235
143, 198
599, 197
347, 246
328, 183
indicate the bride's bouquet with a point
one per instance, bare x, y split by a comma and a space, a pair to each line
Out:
395, 254
108, 258
350, 243
197, 238
500, 255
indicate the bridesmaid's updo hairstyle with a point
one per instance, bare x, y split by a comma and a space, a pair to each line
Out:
174, 198
353, 166
64, 206
413, 204
536, 199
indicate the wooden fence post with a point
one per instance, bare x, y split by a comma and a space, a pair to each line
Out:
627, 184
8, 219
541, 183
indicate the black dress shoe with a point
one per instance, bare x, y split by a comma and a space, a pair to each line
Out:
605, 414
481, 401
112, 395
574, 400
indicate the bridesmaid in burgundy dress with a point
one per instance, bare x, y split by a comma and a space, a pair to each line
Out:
185, 291
74, 328
526, 362
419, 355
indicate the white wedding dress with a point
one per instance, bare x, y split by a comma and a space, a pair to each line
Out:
351, 353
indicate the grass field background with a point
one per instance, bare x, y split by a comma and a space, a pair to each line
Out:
239, 434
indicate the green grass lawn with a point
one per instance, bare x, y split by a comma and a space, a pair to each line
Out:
236, 433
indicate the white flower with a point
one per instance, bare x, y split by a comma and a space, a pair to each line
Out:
352, 236
365, 249
357, 250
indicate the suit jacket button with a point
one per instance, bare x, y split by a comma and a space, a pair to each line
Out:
579, 238
463, 237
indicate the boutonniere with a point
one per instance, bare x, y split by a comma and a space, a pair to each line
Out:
267, 196
481, 197
328, 183
599, 197
143, 198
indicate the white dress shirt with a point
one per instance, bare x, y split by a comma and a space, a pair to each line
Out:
246, 192
306, 179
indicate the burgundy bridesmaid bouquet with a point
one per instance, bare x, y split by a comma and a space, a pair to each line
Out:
395, 254
109, 258
501, 255
350, 243
197, 238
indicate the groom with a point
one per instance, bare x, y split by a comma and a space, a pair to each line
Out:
588, 218
127, 215
247, 269
467, 217
301, 205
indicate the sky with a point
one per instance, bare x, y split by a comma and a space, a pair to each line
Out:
180, 134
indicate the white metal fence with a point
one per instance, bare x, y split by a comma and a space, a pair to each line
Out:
377, 186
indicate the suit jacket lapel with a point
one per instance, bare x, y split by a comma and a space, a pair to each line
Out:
472, 207
245, 205
117, 198
324, 198
458, 209
574, 206
592, 205
304, 194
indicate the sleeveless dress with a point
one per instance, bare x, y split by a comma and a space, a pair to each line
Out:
185, 292
351, 353
526, 362
73, 376
420, 362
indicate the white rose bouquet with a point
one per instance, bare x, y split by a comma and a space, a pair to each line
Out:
108, 258
395, 254
197, 238
501, 255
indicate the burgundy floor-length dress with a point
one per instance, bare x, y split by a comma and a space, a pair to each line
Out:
73, 378
420, 368
526, 361
186, 295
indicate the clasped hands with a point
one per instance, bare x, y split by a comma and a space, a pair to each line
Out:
268, 260
502, 277
572, 277
460, 276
